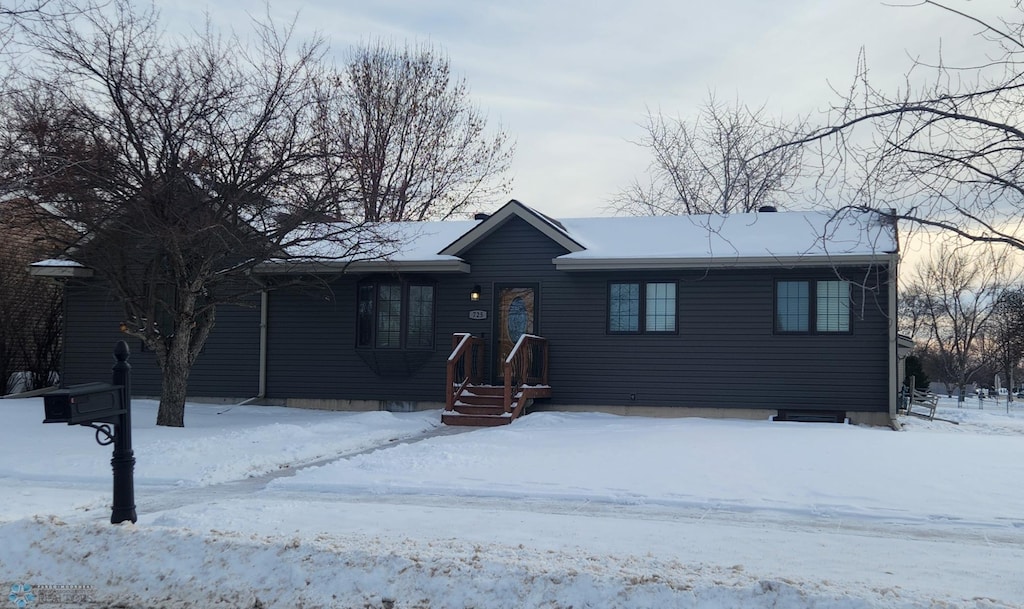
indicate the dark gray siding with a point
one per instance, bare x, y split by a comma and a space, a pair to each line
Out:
312, 344
312, 338
312, 352
227, 367
725, 354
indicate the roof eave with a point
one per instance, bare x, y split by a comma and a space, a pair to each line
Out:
363, 266
615, 264
60, 272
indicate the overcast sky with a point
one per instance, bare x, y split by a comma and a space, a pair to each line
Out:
570, 81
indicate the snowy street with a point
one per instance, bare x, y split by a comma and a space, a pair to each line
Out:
268, 507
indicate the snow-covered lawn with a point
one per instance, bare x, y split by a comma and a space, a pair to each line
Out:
269, 507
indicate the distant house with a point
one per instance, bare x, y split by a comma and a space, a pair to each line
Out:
30, 308
786, 314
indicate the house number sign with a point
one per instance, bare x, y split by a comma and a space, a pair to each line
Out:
478, 314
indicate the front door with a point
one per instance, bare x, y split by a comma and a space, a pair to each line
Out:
516, 315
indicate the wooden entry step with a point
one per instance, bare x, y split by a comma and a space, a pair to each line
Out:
479, 406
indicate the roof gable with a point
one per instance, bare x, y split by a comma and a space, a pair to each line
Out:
550, 228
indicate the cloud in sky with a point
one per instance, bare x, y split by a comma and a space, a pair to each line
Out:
572, 80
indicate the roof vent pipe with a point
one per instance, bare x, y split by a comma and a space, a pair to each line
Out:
481, 216
767, 209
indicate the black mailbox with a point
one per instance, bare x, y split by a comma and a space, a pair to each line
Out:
110, 405
83, 403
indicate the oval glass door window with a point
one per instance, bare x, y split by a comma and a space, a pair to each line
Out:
516, 319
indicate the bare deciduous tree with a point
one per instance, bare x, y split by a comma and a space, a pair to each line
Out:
1006, 336
910, 310
412, 145
728, 159
954, 296
30, 308
180, 163
948, 154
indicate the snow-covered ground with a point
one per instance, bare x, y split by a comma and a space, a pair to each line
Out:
268, 507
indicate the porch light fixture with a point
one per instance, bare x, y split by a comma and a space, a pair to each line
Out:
475, 294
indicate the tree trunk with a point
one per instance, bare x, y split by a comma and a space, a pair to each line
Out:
174, 377
179, 354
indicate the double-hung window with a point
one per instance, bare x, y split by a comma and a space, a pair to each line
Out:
395, 315
805, 306
641, 307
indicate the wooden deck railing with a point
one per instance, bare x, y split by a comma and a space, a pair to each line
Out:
465, 366
526, 366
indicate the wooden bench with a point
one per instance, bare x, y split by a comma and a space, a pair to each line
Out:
922, 400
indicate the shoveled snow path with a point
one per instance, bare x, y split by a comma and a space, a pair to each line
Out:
174, 497
581, 520
155, 501
763, 544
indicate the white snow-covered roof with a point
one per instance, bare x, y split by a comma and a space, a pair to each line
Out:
56, 262
749, 239
655, 242
407, 246
58, 267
